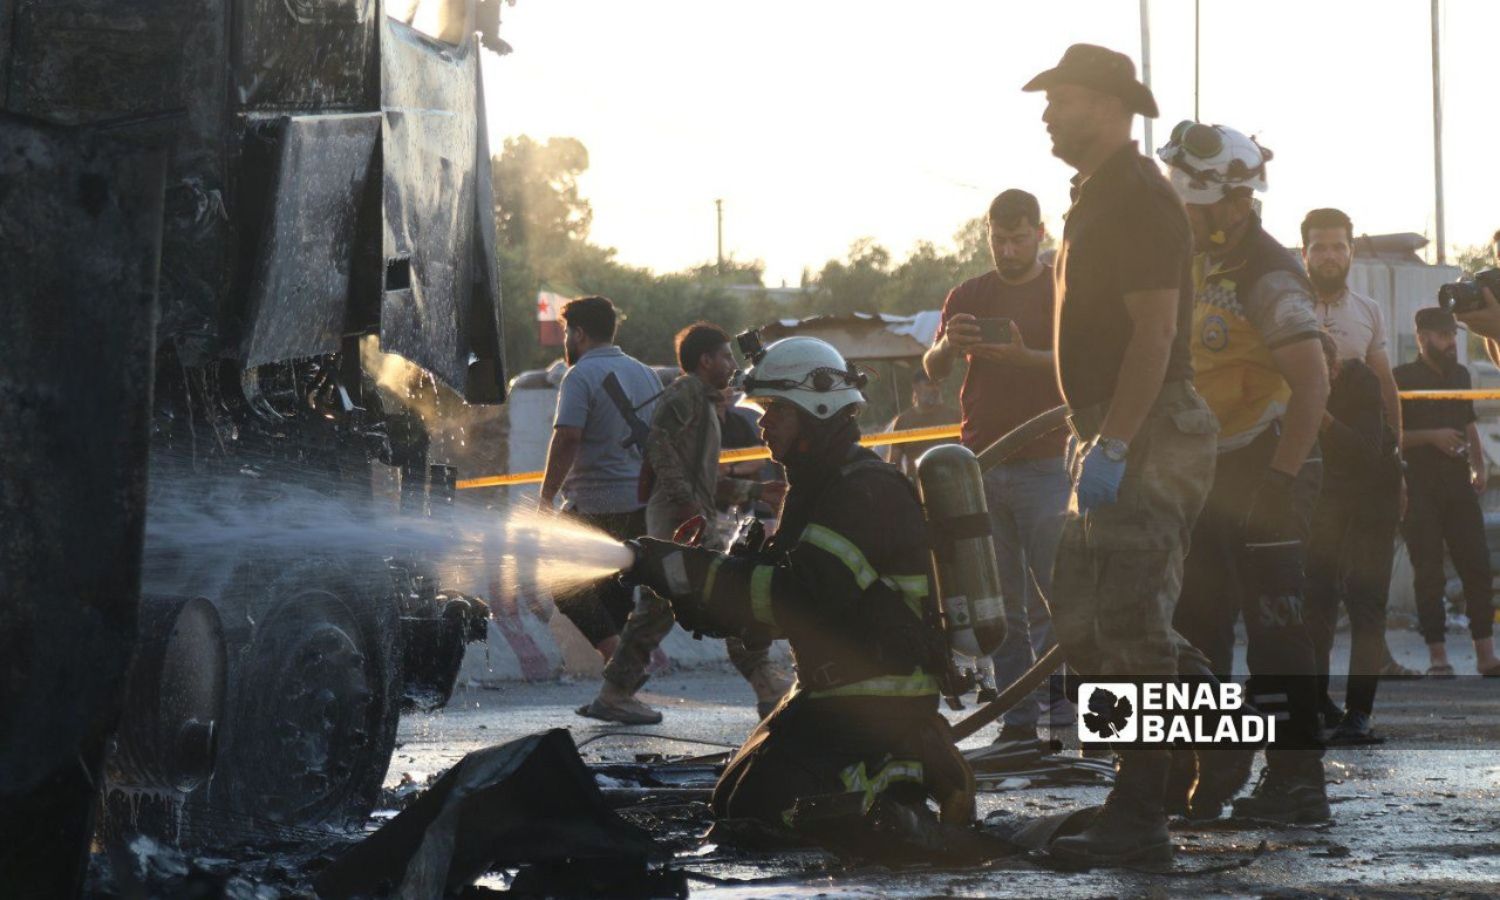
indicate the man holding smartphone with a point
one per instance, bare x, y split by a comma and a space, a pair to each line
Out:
1001, 323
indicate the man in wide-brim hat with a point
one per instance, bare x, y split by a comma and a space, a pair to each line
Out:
1142, 454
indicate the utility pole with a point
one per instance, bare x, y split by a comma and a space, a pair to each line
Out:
1437, 132
719, 213
1146, 65
1196, 54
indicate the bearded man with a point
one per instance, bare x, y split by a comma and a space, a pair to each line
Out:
1447, 471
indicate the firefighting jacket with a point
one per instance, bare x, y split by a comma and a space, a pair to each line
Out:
845, 581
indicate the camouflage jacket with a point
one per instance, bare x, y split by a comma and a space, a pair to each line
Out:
684, 452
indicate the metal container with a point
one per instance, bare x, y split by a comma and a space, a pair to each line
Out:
963, 549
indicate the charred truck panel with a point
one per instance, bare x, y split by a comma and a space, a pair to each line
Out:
327, 182
74, 435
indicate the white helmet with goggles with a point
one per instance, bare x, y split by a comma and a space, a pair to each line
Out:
804, 371
1208, 162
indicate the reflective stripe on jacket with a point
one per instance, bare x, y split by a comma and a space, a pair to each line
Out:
850, 590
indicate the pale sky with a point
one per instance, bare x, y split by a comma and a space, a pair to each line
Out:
822, 121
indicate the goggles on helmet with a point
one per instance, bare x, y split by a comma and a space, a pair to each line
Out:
821, 380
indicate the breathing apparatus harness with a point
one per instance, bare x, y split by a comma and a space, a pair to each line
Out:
962, 615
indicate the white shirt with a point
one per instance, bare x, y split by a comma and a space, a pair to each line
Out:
1353, 321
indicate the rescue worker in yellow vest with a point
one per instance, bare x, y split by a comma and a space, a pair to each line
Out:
1259, 363
846, 582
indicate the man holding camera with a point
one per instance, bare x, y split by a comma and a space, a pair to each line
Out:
1446, 471
1001, 323
1483, 315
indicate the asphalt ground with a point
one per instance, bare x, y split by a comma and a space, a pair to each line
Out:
1416, 816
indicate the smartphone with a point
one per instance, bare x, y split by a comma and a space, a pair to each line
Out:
994, 331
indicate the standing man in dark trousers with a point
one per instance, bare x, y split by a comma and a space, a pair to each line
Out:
1258, 356
1358, 331
1009, 381
1445, 476
1142, 451
588, 464
1353, 540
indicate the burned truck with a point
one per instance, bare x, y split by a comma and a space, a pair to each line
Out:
294, 185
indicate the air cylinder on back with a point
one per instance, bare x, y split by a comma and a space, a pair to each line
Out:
963, 549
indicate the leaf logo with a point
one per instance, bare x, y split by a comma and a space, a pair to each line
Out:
1108, 713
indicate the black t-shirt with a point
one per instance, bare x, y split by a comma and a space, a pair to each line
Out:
1354, 445
1420, 415
1126, 231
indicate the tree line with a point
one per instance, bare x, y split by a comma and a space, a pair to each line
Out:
543, 223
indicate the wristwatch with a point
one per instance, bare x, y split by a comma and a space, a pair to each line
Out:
1115, 450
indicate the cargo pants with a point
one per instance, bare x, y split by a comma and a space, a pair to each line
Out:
650, 621
1221, 586
1118, 568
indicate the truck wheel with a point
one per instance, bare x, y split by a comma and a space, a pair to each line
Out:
314, 698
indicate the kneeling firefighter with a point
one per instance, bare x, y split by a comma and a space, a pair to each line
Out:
846, 582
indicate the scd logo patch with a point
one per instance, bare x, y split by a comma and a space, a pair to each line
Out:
1215, 333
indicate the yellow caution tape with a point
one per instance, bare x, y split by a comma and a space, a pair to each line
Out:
464, 484
912, 435
934, 433
1472, 394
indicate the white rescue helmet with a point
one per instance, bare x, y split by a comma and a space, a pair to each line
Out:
807, 372
1208, 162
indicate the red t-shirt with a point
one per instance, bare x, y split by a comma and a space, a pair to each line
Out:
997, 397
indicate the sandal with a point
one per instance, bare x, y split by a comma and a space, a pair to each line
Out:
1491, 672
1441, 673
1394, 671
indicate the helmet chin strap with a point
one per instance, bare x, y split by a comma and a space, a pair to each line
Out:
1225, 224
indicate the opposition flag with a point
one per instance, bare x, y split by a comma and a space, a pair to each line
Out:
549, 319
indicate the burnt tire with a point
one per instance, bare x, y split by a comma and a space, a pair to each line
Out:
314, 695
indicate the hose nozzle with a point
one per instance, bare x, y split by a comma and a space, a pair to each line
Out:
626, 576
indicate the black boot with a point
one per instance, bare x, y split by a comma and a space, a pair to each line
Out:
1354, 730
1329, 713
1290, 792
1132, 825
1223, 769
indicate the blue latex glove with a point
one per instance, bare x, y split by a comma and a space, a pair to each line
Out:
1099, 482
